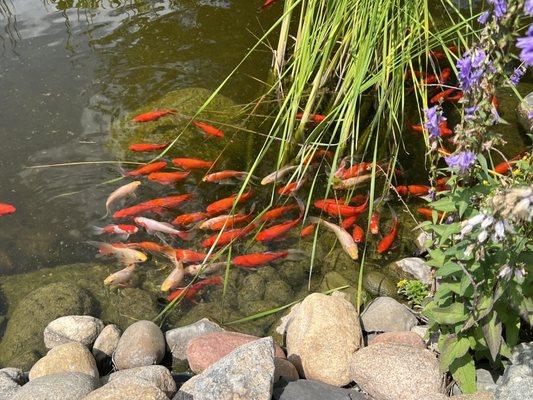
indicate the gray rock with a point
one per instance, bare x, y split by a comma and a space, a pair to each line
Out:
421, 239
486, 380
106, 343
524, 109
517, 380
178, 339
385, 314
10, 381
141, 344
247, 373
127, 388
416, 267
70, 357
156, 375
307, 389
72, 328
64, 386
431, 339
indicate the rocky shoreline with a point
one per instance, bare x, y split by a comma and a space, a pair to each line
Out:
325, 351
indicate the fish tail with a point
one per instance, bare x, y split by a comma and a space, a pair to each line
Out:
96, 230
187, 235
106, 213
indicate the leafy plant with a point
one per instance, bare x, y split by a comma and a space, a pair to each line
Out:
414, 291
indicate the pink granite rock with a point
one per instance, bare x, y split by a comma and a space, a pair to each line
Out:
405, 338
204, 351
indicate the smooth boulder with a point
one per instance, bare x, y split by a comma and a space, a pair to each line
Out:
308, 389
156, 375
178, 339
406, 338
415, 267
394, 372
385, 314
127, 389
72, 328
63, 386
247, 373
106, 343
141, 344
322, 337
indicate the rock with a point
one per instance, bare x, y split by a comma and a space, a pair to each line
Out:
127, 388
22, 344
10, 381
178, 339
486, 380
393, 372
70, 357
206, 350
333, 280
72, 328
517, 380
473, 396
421, 240
405, 338
379, 284
308, 389
141, 344
247, 373
322, 337
385, 314
106, 343
285, 370
157, 376
64, 386
524, 110
416, 268
431, 339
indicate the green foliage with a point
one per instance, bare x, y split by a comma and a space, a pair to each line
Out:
414, 291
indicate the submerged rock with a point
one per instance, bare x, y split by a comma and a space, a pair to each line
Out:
308, 389
379, 284
156, 376
178, 339
64, 386
72, 328
140, 345
385, 314
106, 343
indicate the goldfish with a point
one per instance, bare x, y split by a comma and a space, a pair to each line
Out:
123, 191
291, 187
173, 280
120, 278
268, 3
153, 115
308, 230
189, 256
192, 163
358, 234
227, 203
204, 269
190, 292
152, 247
354, 171
274, 176
444, 75
347, 223
147, 169
414, 190
156, 227
6, 209
132, 211
208, 129
317, 156
191, 218
224, 221
374, 223
224, 175
343, 236
226, 237
504, 167
258, 259
428, 213
275, 231
167, 178
152, 205
123, 231
445, 95
342, 209
316, 118
278, 212
444, 131
147, 146
352, 182
385, 243
440, 55
125, 255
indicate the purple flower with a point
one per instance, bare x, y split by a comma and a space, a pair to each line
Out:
433, 120
526, 44
516, 76
483, 18
500, 7
528, 7
471, 68
462, 160
530, 115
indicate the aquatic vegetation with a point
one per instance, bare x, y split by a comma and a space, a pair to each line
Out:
414, 291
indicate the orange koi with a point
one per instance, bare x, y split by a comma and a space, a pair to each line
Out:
192, 163
318, 156
189, 256
223, 175
147, 146
495, 103
347, 223
169, 201
443, 129
414, 190
336, 210
153, 115
167, 178
190, 292
278, 212
504, 167
152, 247
132, 211
225, 221
276, 231
226, 237
358, 234
6, 209
444, 75
208, 129
444, 96
316, 118
258, 259
355, 170
428, 213
385, 243
123, 231
374, 223
227, 203
291, 187
191, 218
147, 169
308, 230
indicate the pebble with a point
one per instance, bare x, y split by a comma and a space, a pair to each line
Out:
178, 339
83, 329
247, 373
206, 350
416, 267
308, 389
69, 357
127, 389
156, 375
385, 314
285, 370
106, 343
141, 344
322, 337
406, 338
64, 386
394, 372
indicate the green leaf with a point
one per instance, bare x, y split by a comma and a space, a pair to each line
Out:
449, 268
492, 331
449, 315
463, 371
452, 348
445, 204
436, 258
466, 289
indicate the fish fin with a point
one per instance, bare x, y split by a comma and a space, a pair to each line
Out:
106, 213
187, 235
96, 230
95, 243
159, 235
122, 171
168, 225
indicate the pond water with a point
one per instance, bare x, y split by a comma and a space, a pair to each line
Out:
71, 77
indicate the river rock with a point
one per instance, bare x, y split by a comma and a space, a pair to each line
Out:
308, 389
406, 338
141, 344
517, 380
106, 343
127, 388
385, 314
247, 373
416, 268
322, 337
72, 328
206, 350
64, 386
379, 284
393, 372
69, 357
524, 111
285, 370
473, 396
178, 339
156, 375
10, 381
421, 241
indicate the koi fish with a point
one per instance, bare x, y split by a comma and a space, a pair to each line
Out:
274, 176
278, 212
147, 146
347, 223
189, 256
190, 292
156, 227
374, 223
151, 247
120, 278
204, 269
352, 182
227, 203
119, 193
268, 3
224, 221
152, 205
226, 237
123, 254
504, 167
123, 231
414, 190
258, 259
192, 163
358, 234
354, 171
445, 95
191, 218
336, 210
317, 156
291, 187
444, 131
428, 213
316, 118
343, 236
224, 175
173, 280
444, 75
208, 129
276, 231
308, 230
6, 209
167, 178
147, 169
385, 243
153, 115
